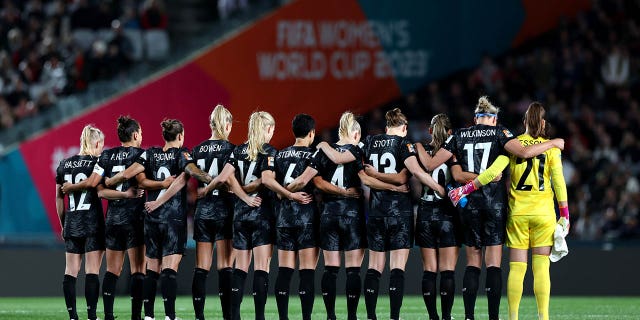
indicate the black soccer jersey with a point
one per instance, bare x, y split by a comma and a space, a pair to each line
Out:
442, 175
83, 214
112, 161
476, 148
344, 176
211, 156
160, 165
288, 165
387, 154
248, 171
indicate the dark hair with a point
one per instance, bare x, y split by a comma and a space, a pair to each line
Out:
533, 121
440, 125
395, 118
171, 128
126, 128
302, 124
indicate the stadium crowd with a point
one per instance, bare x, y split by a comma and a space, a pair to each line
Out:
586, 74
50, 48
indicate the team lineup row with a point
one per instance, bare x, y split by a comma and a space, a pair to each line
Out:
253, 196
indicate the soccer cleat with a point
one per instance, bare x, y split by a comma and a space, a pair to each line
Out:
149, 318
457, 196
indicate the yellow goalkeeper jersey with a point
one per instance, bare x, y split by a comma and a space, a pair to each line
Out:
534, 180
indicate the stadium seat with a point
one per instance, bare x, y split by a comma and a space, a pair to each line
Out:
105, 34
156, 44
135, 36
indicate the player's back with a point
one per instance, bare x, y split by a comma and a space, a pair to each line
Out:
211, 156
83, 214
246, 172
289, 164
476, 148
387, 153
531, 190
343, 176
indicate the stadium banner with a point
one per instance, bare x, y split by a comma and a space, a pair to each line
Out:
317, 57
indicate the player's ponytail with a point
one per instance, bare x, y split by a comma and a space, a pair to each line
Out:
171, 128
485, 108
348, 125
126, 128
258, 124
440, 126
218, 120
395, 118
533, 121
89, 137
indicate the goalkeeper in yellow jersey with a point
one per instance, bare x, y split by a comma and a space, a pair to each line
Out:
531, 222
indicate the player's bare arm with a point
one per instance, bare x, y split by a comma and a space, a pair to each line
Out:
399, 178
374, 183
301, 181
429, 162
269, 180
173, 189
334, 155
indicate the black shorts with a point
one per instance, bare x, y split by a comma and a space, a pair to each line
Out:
82, 245
437, 227
297, 238
390, 233
124, 236
342, 233
484, 227
248, 234
207, 230
163, 239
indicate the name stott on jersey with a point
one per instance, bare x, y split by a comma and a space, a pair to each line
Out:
211, 156
344, 176
83, 214
476, 148
288, 165
112, 161
387, 154
248, 171
158, 166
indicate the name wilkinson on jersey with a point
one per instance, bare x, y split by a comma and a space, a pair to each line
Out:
478, 133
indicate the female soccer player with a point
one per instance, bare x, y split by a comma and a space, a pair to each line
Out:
213, 216
390, 222
82, 222
296, 217
165, 225
437, 225
531, 221
342, 221
484, 216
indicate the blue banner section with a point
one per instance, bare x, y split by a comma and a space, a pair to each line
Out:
21, 210
426, 40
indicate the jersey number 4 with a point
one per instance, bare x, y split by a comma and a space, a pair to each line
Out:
213, 170
82, 204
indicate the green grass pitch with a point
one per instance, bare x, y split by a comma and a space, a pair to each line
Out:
413, 308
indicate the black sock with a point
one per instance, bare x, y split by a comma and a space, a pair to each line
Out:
149, 287
199, 291
396, 292
353, 288
447, 293
137, 280
493, 287
283, 281
306, 289
371, 288
108, 288
69, 290
260, 292
169, 287
224, 291
92, 293
237, 290
328, 287
429, 293
470, 290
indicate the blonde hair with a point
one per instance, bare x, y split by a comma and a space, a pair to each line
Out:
485, 106
440, 125
218, 120
258, 123
90, 135
348, 124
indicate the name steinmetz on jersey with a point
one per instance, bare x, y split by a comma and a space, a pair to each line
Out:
83, 213
289, 164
